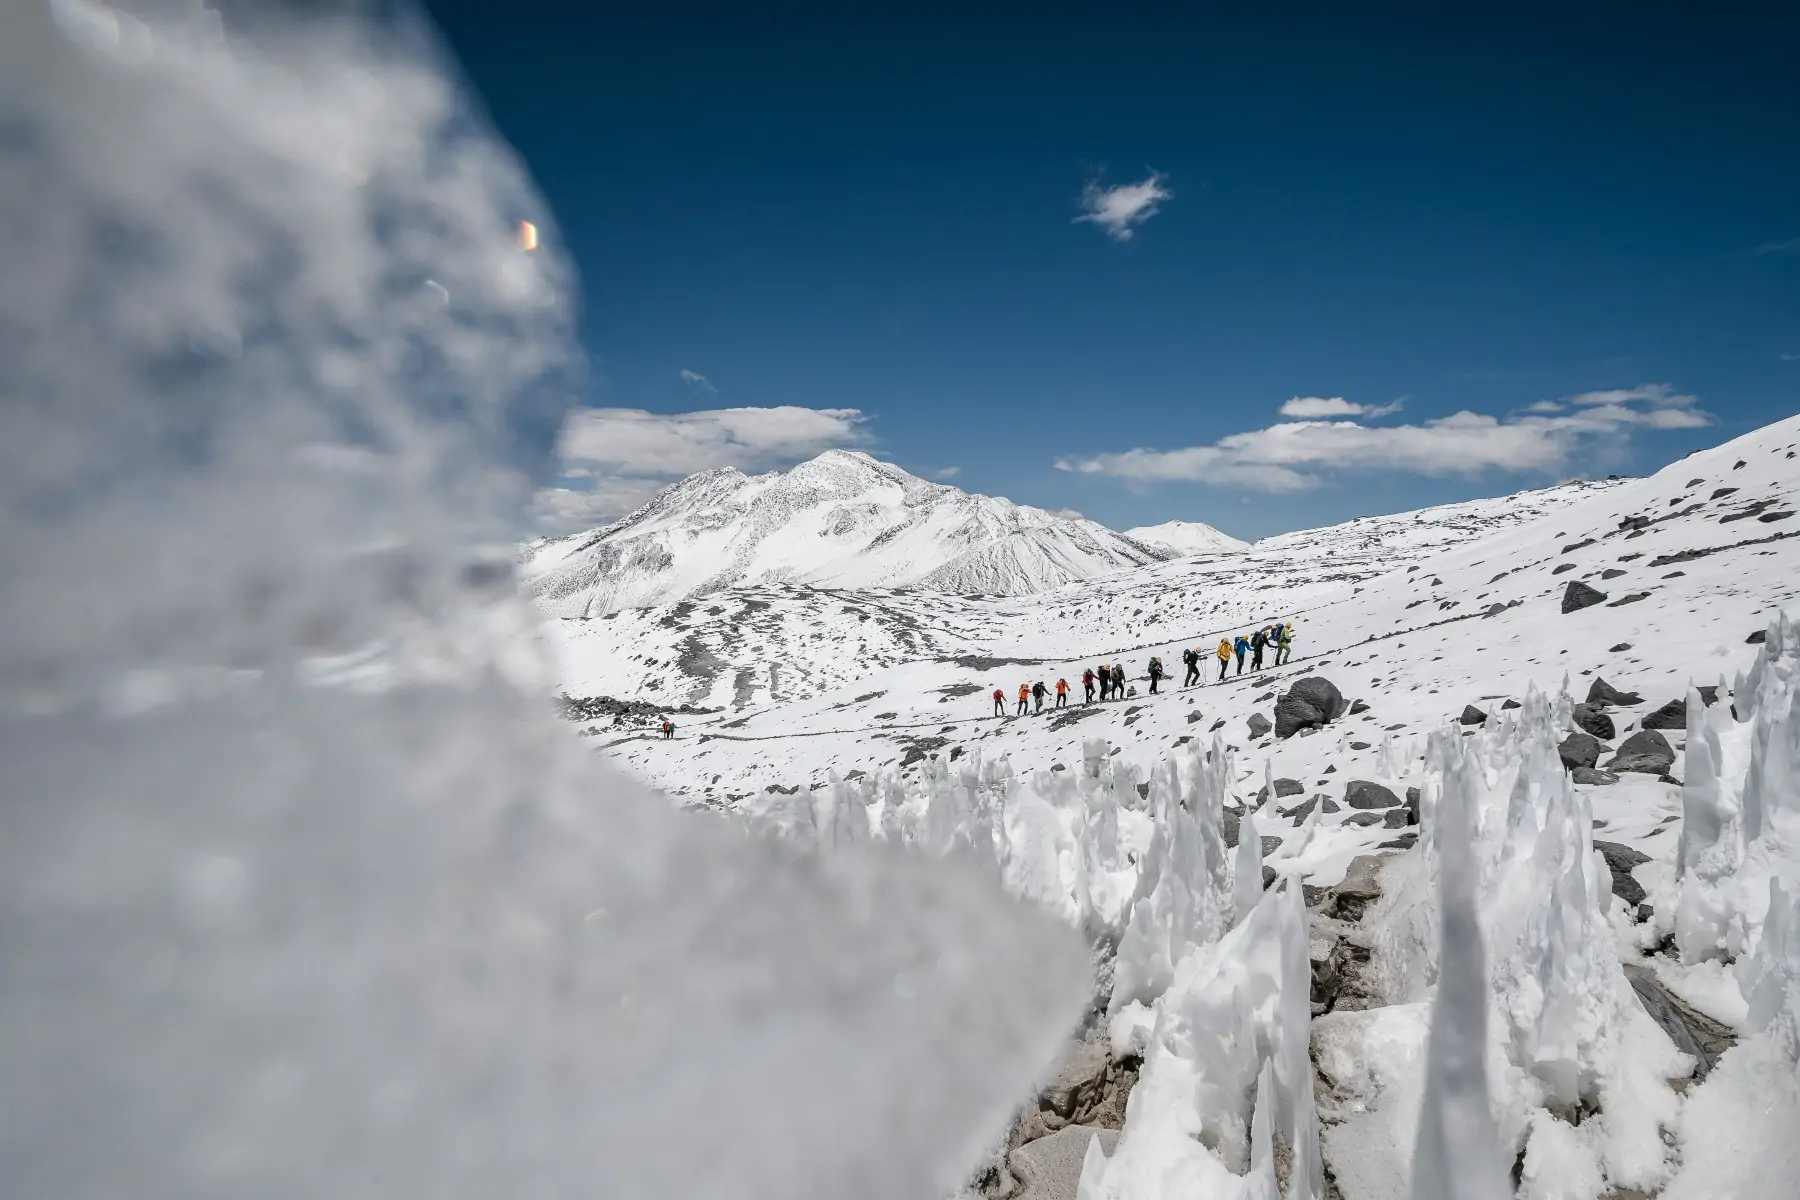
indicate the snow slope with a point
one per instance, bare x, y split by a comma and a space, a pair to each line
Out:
1186, 538
842, 520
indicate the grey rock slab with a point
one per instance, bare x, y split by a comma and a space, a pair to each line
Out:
1602, 692
1361, 793
1259, 725
1050, 1167
1646, 752
1590, 775
1579, 595
1692, 1032
1672, 715
1580, 750
1591, 719
1620, 859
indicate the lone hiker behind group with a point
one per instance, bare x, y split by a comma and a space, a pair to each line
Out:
999, 703
1156, 673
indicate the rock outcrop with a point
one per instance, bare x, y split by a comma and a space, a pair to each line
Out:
1310, 703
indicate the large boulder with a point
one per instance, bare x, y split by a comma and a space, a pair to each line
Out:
1602, 692
1646, 752
1310, 703
1360, 793
1590, 719
1283, 787
1672, 715
1619, 860
1472, 715
1259, 724
1580, 750
1579, 596
1049, 1168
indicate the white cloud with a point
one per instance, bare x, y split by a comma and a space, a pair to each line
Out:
1791, 246
1068, 514
1120, 209
1784, 356
946, 473
630, 454
1334, 406
1544, 406
698, 380
1297, 455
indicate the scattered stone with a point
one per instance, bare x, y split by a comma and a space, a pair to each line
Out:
1591, 719
1631, 599
1721, 493
1217, 725
1619, 860
1621, 648
1300, 812
1283, 787
1268, 877
1194, 716
1709, 695
1756, 639
1590, 775
1359, 707
1562, 568
1493, 610
1510, 703
1359, 745
1049, 1167
1363, 818
1577, 545
1672, 715
1602, 692
1361, 793
1405, 841
1311, 702
1259, 725
1361, 887
1579, 750
1692, 1032
1472, 715
1579, 596
1232, 819
1645, 752
1611, 573
1396, 818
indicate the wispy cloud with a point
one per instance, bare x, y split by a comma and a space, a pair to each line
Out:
1120, 209
1784, 356
613, 459
1297, 455
1310, 407
946, 473
1791, 246
696, 379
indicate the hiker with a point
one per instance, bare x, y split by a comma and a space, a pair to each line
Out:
1190, 658
1284, 645
1119, 681
1240, 648
1258, 641
1087, 684
1105, 681
1155, 673
1037, 694
1062, 693
999, 703
1024, 699
668, 728
1224, 657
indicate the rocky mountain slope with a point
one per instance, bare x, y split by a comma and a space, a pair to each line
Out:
842, 520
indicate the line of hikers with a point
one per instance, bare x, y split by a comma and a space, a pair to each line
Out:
1110, 677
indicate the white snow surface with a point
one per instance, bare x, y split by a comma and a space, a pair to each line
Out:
1186, 538
841, 520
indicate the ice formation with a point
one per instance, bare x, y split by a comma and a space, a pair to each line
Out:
303, 889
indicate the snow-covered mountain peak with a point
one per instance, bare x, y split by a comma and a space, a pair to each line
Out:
843, 519
1184, 538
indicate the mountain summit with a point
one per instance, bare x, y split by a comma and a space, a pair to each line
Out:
841, 520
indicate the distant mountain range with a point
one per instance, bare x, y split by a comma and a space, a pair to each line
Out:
841, 520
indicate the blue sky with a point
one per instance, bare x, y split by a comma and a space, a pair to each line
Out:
866, 219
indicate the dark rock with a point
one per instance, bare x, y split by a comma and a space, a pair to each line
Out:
1573, 546
1580, 750
1363, 818
1232, 820
1217, 725
1330, 770
1590, 719
1359, 745
1672, 715
1611, 573
1668, 779
1621, 648
1268, 877
1405, 841
1412, 805
1709, 695
1300, 812
1270, 844
1259, 725
1310, 703
1693, 1032
1646, 752
1396, 818
1721, 493
1757, 638
1472, 715
1512, 704
1194, 716
1493, 610
1590, 775
1619, 860
1622, 601
1361, 887
1579, 596
1564, 567
1283, 787
1602, 692
1360, 793
1359, 707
